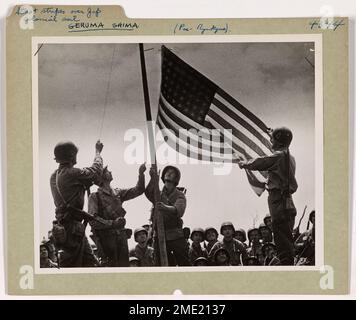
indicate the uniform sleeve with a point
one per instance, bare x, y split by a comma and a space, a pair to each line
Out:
215, 247
128, 194
149, 192
205, 253
93, 210
87, 175
190, 255
243, 252
262, 163
180, 204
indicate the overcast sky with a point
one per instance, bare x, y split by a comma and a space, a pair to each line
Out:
273, 80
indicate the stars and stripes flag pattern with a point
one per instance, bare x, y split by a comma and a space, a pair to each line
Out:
202, 121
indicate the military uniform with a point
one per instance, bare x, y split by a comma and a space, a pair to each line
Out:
265, 233
209, 244
305, 248
176, 244
107, 204
270, 260
255, 250
196, 251
242, 232
235, 248
280, 200
48, 263
144, 254
68, 186
214, 258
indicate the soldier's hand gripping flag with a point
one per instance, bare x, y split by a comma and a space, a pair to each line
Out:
192, 107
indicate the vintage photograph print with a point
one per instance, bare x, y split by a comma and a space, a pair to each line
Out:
199, 154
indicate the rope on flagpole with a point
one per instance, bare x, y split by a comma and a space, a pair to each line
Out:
107, 91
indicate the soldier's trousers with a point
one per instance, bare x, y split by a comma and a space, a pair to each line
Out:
79, 256
283, 220
177, 252
115, 248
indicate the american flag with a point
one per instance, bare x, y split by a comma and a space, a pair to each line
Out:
190, 101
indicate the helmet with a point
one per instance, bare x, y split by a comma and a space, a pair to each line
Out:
243, 232
186, 232
176, 174
200, 259
211, 229
311, 215
262, 225
267, 216
65, 151
197, 230
128, 233
139, 230
226, 224
282, 136
249, 232
220, 250
131, 259
46, 244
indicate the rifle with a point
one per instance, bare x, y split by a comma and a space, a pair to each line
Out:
89, 217
300, 220
296, 231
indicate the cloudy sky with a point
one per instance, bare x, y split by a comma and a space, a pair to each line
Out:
273, 80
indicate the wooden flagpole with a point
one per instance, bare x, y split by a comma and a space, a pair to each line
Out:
158, 225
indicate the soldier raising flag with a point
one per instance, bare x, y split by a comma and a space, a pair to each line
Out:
107, 204
68, 186
171, 206
281, 184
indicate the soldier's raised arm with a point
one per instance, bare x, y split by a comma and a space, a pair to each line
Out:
88, 174
149, 191
260, 164
131, 193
